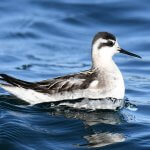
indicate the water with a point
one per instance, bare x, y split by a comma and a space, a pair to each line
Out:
42, 39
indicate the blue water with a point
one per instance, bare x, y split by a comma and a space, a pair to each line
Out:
41, 39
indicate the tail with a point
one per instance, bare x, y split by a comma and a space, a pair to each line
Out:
18, 88
24, 90
11, 81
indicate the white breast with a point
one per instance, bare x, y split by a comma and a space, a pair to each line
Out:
109, 84
116, 85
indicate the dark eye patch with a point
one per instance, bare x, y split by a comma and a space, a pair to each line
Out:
109, 43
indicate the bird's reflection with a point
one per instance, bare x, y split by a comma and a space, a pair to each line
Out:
90, 119
103, 127
103, 139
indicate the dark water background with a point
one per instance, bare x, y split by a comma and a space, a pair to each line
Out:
40, 39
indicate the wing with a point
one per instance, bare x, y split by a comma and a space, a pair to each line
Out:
67, 83
56, 85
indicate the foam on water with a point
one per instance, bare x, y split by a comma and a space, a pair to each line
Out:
108, 103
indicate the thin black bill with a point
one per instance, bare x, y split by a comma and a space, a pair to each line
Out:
129, 53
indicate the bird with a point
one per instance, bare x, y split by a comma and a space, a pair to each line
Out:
102, 80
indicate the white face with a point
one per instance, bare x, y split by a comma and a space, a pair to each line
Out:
105, 48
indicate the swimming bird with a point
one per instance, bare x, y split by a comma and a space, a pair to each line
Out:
102, 80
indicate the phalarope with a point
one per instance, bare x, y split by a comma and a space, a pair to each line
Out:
103, 80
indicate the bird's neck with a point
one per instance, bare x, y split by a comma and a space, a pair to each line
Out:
107, 63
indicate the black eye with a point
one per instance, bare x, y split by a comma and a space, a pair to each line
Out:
110, 43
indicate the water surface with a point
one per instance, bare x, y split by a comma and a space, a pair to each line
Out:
49, 38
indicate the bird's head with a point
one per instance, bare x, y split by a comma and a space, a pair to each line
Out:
105, 45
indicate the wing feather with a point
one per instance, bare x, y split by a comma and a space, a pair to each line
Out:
52, 86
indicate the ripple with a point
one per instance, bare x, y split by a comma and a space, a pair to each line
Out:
42, 39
